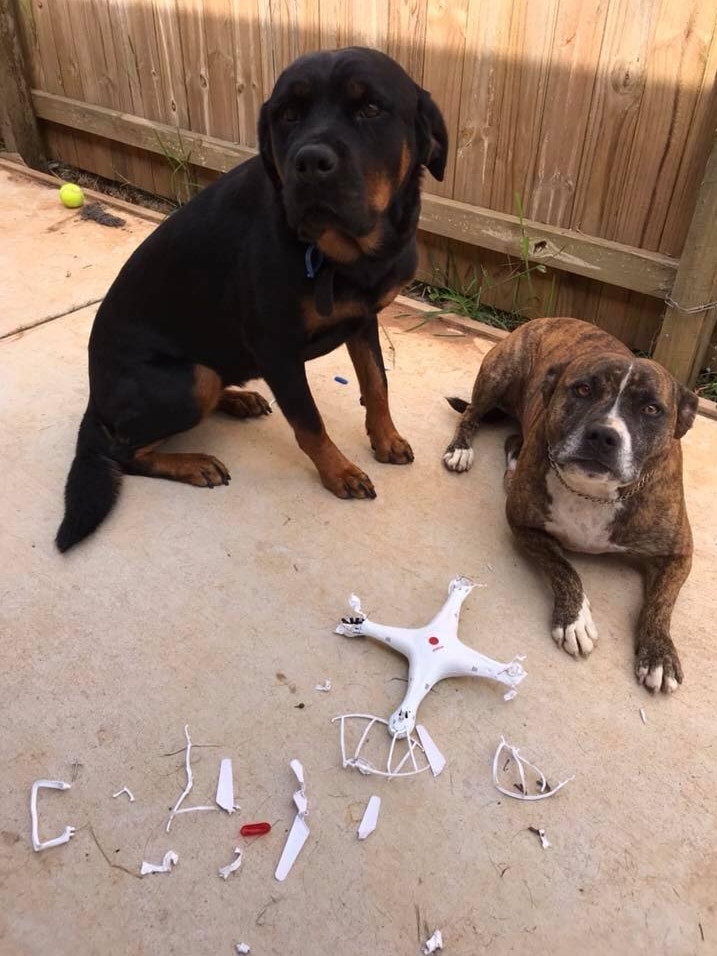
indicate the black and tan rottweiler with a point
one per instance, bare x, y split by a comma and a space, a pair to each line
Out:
279, 261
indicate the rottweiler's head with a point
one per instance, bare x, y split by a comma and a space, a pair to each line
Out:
611, 419
344, 136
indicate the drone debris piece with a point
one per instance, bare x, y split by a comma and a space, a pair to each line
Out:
521, 763
370, 818
357, 762
433, 943
434, 652
170, 859
243, 948
225, 786
232, 867
299, 832
435, 758
544, 841
127, 791
643, 716
190, 778
64, 837
325, 686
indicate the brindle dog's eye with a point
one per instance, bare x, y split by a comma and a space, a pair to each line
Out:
369, 111
652, 410
290, 115
582, 389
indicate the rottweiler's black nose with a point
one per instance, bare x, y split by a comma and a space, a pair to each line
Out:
315, 163
602, 438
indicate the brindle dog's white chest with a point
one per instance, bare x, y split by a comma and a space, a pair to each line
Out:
579, 524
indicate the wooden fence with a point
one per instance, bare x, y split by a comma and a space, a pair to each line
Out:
595, 118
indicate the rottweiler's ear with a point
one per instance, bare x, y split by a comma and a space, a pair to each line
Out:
431, 136
265, 150
551, 379
686, 410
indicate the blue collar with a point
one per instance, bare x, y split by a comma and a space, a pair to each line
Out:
313, 260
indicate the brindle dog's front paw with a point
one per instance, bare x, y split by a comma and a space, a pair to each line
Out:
349, 482
392, 450
574, 630
458, 457
657, 666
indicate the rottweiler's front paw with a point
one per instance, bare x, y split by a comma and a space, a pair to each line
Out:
349, 482
243, 404
657, 665
393, 450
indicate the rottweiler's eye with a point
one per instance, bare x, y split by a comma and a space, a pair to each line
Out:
582, 389
369, 111
290, 115
651, 410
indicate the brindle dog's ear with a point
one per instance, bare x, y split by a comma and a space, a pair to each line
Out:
550, 381
431, 136
265, 150
686, 409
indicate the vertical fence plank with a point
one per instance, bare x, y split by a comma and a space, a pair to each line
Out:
17, 116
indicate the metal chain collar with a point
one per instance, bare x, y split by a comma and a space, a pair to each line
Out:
601, 501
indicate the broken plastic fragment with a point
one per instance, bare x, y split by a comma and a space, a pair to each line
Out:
357, 762
125, 790
243, 948
68, 832
544, 841
434, 756
190, 778
643, 716
521, 763
325, 686
225, 786
254, 829
299, 832
232, 867
170, 859
434, 943
370, 818
434, 652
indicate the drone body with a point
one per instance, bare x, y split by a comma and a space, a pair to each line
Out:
434, 652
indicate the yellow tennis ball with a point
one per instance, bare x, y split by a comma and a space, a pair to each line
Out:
71, 196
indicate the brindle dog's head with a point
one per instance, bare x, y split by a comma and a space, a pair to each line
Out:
610, 420
344, 136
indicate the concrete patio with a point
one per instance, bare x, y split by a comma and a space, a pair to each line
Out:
216, 609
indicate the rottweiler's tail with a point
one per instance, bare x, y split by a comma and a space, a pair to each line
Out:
92, 484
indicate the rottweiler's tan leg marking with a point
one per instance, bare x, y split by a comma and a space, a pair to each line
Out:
387, 443
337, 473
243, 404
204, 471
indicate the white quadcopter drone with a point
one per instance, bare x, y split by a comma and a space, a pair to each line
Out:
434, 653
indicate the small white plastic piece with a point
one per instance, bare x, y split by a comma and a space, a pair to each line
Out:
299, 832
357, 762
225, 786
643, 716
232, 867
370, 818
127, 791
522, 763
64, 837
190, 778
434, 943
170, 859
434, 653
544, 841
435, 758
325, 686
243, 948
